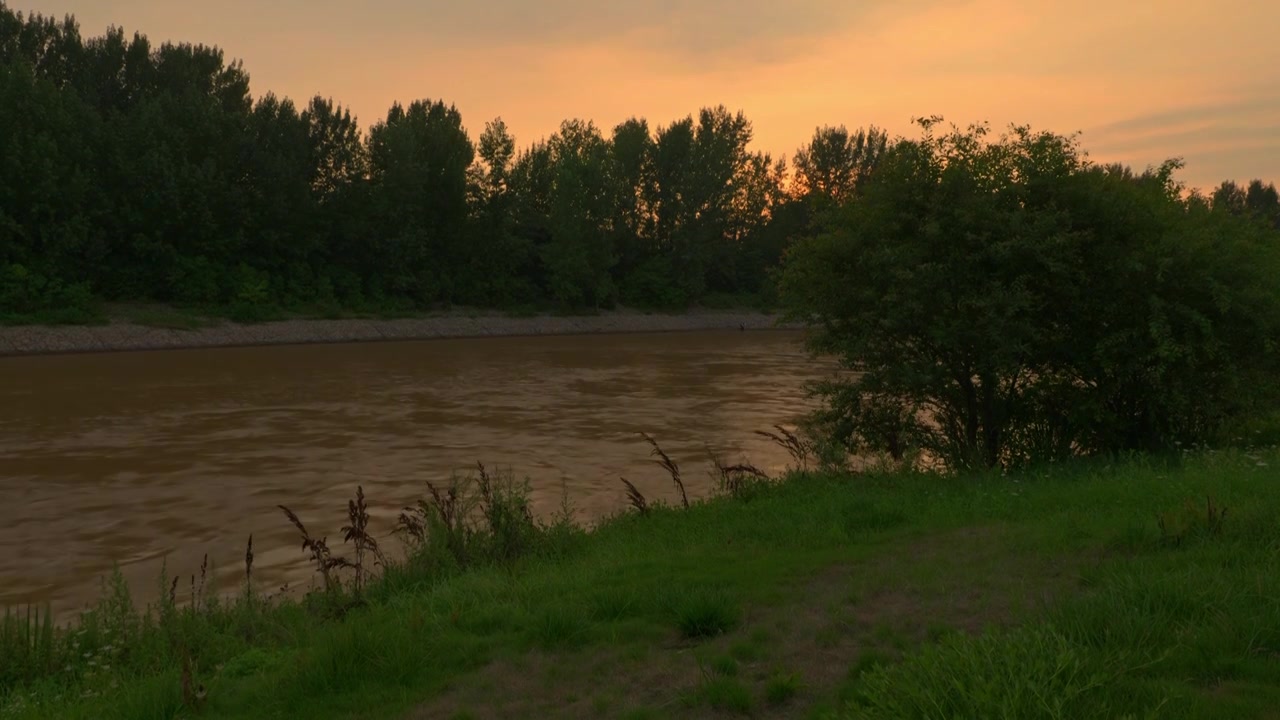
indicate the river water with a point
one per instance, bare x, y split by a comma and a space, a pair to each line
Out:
156, 458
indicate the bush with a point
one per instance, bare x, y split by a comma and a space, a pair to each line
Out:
1002, 303
655, 285
1031, 672
29, 296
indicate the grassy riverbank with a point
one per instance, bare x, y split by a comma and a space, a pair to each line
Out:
1136, 589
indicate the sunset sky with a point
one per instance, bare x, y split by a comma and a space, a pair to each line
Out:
1143, 80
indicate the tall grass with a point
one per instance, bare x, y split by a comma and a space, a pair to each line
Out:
473, 520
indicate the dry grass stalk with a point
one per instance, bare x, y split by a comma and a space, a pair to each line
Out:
197, 593
248, 567
324, 559
635, 497
486, 486
734, 478
670, 465
798, 449
357, 531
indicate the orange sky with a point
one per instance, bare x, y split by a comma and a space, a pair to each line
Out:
1143, 80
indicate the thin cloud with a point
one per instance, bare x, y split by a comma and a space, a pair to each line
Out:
1263, 109
688, 30
1235, 138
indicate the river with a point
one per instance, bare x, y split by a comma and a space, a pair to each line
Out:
149, 458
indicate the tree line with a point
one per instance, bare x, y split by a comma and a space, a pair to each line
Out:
137, 172
134, 172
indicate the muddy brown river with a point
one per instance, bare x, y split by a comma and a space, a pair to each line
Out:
150, 458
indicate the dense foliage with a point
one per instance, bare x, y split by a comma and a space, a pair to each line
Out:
1007, 301
143, 173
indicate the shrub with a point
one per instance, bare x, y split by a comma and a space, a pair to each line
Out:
1032, 672
1000, 303
29, 296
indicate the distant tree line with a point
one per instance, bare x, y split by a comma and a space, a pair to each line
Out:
136, 172
133, 172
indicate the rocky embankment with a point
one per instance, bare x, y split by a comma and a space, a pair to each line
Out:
120, 335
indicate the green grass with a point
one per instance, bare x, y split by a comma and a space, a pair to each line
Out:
1047, 594
782, 688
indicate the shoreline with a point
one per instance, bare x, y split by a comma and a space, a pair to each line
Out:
123, 336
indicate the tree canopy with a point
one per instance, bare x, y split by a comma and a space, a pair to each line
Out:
139, 172
1005, 301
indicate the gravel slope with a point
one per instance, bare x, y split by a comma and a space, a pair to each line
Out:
42, 340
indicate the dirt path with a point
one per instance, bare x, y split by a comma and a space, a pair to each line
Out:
841, 621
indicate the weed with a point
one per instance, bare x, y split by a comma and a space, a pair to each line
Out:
442, 517
726, 695
705, 613
736, 480
725, 665
781, 688
1190, 521
670, 466
323, 558
1031, 672
635, 498
797, 448
248, 572
193, 692
357, 531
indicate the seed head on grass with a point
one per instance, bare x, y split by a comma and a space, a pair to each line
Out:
635, 497
798, 449
357, 531
669, 465
734, 479
323, 558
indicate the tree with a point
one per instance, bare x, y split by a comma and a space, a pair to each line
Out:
1256, 200
502, 261
418, 164
632, 151
579, 256
835, 163
49, 202
1004, 302
1263, 202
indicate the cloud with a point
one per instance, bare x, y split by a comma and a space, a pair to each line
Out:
1262, 108
686, 30
1237, 137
